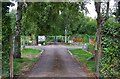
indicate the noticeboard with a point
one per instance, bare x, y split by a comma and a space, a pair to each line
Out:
41, 38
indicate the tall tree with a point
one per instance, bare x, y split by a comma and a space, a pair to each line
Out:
102, 16
17, 53
6, 34
118, 12
49, 15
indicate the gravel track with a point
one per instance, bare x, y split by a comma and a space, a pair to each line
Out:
55, 61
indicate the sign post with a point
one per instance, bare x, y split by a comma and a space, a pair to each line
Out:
41, 39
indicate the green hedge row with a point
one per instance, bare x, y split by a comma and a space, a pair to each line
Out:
110, 62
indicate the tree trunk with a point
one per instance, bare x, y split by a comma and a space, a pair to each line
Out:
118, 12
11, 58
17, 53
100, 23
36, 36
65, 35
98, 51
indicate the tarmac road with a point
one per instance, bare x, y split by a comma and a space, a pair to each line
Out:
55, 61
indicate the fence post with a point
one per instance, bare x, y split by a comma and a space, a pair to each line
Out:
11, 58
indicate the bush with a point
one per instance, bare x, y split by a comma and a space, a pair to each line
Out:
91, 48
110, 61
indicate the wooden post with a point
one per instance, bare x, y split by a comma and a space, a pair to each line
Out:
11, 59
65, 34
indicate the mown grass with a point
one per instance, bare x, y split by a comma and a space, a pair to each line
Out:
67, 44
0, 63
82, 56
29, 57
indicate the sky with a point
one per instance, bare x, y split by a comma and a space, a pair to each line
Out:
91, 8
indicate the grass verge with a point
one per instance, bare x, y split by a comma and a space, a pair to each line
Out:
67, 44
0, 64
29, 57
82, 56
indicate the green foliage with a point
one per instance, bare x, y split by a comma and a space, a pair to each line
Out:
40, 18
111, 49
30, 51
83, 56
28, 58
87, 26
6, 32
53, 18
12, 16
91, 48
50, 39
60, 39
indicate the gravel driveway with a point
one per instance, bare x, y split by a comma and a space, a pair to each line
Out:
55, 61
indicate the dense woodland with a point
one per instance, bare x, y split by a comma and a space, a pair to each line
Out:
60, 18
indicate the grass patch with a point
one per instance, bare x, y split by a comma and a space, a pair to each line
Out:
68, 44
29, 57
1, 55
83, 56
0, 63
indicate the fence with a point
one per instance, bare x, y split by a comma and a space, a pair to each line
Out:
87, 42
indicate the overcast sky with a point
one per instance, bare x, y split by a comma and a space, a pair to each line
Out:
91, 9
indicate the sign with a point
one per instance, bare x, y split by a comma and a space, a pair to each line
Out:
41, 38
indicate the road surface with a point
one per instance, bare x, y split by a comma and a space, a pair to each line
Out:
56, 62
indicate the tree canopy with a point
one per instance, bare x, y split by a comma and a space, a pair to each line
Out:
54, 18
